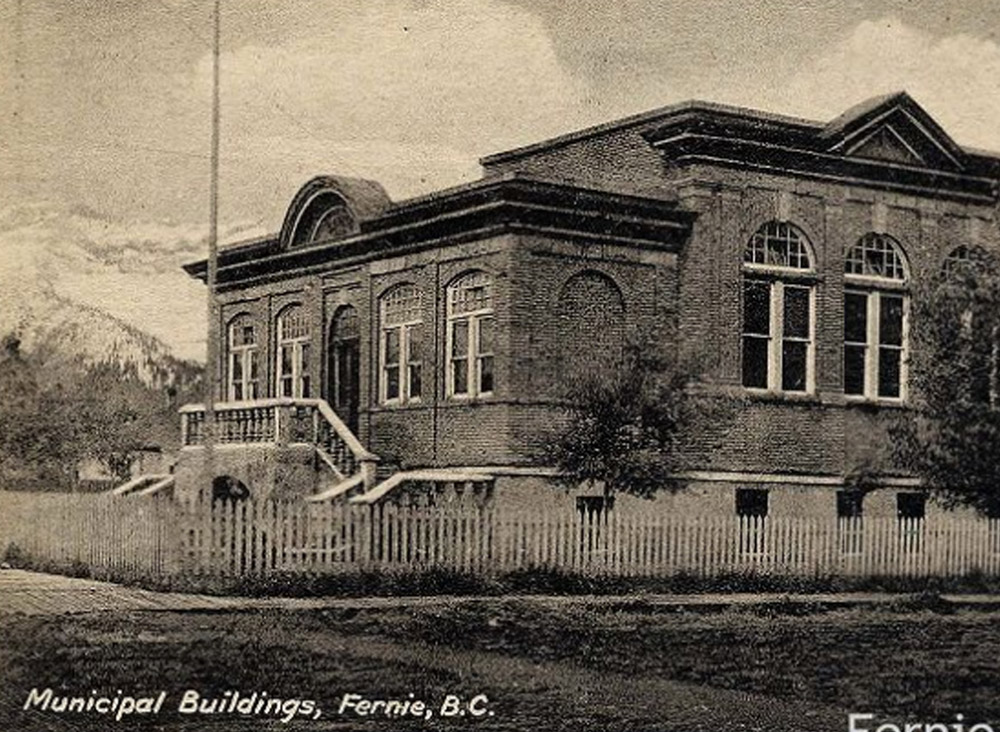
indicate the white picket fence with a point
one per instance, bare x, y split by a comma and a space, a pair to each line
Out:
159, 537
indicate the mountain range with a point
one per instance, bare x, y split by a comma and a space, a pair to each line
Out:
76, 284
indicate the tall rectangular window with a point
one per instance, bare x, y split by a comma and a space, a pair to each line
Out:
855, 341
875, 308
401, 318
484, 354
414, 364
890, 345
390, 343
293, 353
243, 368
796, 338
874, 344
756, 333
777, 335
471, 336
460, 357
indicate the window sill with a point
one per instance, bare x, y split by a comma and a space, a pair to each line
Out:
793, 397
470, 397
870, 403
399, 404
469, 401
408, 406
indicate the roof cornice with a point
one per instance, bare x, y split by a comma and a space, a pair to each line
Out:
487, 208
737, 137
682, 143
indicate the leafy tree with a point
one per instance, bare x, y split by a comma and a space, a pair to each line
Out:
624, 428
57, 412
951, 437
34, 445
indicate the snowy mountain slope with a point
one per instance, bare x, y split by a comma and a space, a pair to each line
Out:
76, 284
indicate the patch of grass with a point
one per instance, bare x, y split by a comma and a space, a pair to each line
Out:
903, 661
540, 581
210, 653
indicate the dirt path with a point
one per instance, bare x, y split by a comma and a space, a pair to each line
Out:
563, 696
33, 593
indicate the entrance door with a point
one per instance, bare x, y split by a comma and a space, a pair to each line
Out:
344, 366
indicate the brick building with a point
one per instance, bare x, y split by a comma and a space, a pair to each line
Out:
437, 334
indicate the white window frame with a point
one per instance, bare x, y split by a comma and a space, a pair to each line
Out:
299, 377
246, 356
776, 337
872, 346
474, 358
777, 278
874, 288
404, 328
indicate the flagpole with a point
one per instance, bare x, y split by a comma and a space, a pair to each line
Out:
212, 350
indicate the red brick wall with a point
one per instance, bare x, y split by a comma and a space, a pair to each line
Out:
691, 302
821, 434
619, 161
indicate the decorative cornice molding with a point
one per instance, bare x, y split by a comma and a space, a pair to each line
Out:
488, 208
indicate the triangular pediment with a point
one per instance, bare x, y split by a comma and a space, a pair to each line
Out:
886, 144
894, 129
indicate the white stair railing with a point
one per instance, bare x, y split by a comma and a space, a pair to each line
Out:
284, 422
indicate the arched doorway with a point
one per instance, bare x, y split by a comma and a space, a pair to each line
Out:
344, 365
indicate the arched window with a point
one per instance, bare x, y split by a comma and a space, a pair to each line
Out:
401, 350
875, 319
470, 336
591, 325
965, 258
244, 369
878, 256
293, 352
778, 310
326, 216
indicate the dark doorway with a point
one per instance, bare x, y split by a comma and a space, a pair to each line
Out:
228, 488
344, 366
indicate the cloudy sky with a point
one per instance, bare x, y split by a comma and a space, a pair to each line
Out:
105, 121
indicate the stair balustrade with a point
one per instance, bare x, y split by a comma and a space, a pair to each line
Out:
283, 422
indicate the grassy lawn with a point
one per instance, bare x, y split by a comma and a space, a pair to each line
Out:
900, 663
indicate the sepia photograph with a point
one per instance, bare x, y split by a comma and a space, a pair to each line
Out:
500, 365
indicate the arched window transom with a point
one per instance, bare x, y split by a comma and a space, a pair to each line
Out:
401, 344
470, 336
326, 216
964, 258
876, 255
778, 244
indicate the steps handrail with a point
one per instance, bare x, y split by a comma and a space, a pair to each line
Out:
342, 429
320, 405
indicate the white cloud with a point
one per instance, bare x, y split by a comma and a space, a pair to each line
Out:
132, 271
956, 78
395, 87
